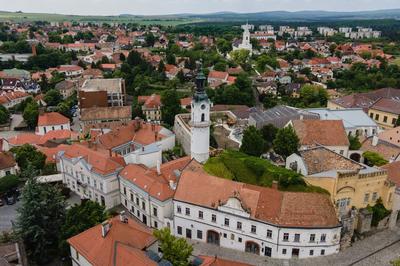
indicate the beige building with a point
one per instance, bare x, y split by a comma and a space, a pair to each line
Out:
151, 107
349, 183
385, 112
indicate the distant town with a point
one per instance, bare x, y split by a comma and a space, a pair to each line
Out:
199, 144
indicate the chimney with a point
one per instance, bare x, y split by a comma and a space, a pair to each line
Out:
123, 218
375, 140
274, 184
105, 228
158, 167
172, 184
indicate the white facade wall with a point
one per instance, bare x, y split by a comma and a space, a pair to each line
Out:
78, 177
8, 171
200, 123
78, 259
133, 198
296, 160
45, 129
342, 150
229, 235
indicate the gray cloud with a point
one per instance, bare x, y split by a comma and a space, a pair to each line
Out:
151, 7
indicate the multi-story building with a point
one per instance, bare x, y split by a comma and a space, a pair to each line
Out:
349, 183
151, 107
385, 112
114, 89
259, 220
91, 173
147, 192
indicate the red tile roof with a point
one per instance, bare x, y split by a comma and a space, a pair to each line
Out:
294, 209
215, 261
124, 244
218, 75
153, 101
393, 170
6, 160
53, 118
387, 105
322, 132
150, 181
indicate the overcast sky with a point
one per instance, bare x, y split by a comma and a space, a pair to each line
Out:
158, 7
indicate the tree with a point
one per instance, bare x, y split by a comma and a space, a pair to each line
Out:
224, 46
355, 143
252, 142
39, 220
374, 159
80, 218
31, 114
150, 40
4, 115
64, 109
220, 66
170, 106
286, 141
8, 182
53, 97
175, 250
313, 95
240, 56
265, 60
27, 154
269, 133
134, 58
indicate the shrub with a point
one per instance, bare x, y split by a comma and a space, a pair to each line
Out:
8, 182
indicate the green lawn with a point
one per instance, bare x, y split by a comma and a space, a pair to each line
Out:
240, 167
396, 61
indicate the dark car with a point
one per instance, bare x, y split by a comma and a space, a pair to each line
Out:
10, 199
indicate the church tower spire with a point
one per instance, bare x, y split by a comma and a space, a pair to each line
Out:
200, 121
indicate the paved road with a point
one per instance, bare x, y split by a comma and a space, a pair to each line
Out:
378, 249
8, 214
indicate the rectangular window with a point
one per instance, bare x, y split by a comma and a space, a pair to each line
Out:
286, 237
232, 237
226, 222
187, 211
374, 196
188, 233
394, 121
143, 205
126, 203
239, 225
284, 251
200, 215
179, 209
131, 195
155, 211
225, 235
322, 252
155, 224
385, 119
199, 234
366, 197
371, 115
124, 190
76, 255
297, 238
240, 240
323, 238
213, 218
312, 238
137, 201
132, 208
253, 229
179, 230
311, 252
377, 117
269, 233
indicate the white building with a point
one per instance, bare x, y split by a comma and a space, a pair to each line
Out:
259, 220
52, 121
200, 122
246, 44
91, 173
147, 192
8, 166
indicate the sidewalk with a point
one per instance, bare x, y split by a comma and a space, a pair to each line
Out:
360, 252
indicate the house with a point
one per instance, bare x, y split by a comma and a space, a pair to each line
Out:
278, 116
104, 117
151, 107
66, 88
328, 133
52, 121
92, 73
19, 74
391, 136
253, 219
389, 151
117, 241
91, 173
385, 112
147, 193
8, 166
10, 99
171, 71
217, 78
355, 121
70, 71
349, 183
102, 92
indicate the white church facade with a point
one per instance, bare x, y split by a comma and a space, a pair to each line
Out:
246, 43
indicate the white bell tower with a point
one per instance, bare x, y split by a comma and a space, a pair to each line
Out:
200, 122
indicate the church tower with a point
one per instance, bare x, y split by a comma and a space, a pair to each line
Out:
200, 122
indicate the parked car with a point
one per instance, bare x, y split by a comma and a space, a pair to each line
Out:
1, 203
10, 200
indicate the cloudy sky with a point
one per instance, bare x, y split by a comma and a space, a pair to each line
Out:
152, 7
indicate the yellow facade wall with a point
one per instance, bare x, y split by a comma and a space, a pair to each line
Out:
383, 119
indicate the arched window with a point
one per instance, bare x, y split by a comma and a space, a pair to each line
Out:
203, 117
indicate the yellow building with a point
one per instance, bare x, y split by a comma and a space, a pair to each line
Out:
349, 183
385, 112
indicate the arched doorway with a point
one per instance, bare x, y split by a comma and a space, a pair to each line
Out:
252, 247
212, 237
355, 157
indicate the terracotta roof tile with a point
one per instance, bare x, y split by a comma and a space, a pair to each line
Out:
53, 118
6, 160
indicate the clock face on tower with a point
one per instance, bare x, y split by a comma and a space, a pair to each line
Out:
203, 106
